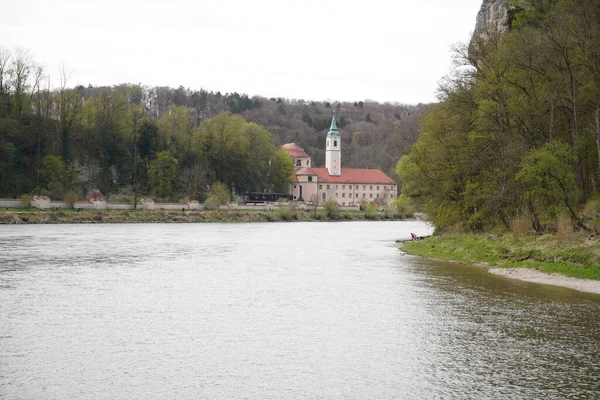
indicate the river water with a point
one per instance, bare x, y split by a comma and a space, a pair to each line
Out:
277, 311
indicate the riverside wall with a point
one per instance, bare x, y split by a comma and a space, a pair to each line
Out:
48, 204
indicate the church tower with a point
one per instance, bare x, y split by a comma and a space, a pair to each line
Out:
333, 150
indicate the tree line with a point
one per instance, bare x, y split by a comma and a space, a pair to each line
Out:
517, 130
172, 143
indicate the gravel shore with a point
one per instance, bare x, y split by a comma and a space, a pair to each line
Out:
531, 275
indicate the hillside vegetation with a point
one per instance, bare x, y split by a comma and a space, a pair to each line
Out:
517, 131
173, 143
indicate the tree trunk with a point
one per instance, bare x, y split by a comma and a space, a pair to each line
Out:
598, 131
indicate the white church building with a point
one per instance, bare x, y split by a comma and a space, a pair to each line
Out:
347, 186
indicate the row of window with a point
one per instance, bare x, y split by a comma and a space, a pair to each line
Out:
299, 163
364, 195
364, 187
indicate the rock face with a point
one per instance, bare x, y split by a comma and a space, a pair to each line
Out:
493, 14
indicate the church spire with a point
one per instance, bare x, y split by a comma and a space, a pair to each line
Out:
333, 150
333, 130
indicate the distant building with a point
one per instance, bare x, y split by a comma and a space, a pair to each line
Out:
347, 186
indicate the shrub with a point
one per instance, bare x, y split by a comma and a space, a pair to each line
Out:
371, 212
286, 212
564, 228
520, 226
125, 195
591, 209
95, 195
220, 192
212, 203
332, 209
70, 198
403, 206
26, 200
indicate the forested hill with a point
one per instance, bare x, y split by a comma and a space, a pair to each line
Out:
374, 135
99, 132
517, 133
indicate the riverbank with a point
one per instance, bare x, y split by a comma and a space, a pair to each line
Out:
572, 262
34, 216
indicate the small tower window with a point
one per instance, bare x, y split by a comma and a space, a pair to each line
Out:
310, 178
335, 143
308, 163
298, 163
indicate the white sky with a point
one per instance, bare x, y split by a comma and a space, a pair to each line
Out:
348, 50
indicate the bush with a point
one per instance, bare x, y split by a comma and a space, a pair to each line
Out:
371, 212
220, 192
125, 195
286, 212
332, 209
26, 200
592, 209
212, 203
564, 228
70, 198
95, 195
403, 206
520, 226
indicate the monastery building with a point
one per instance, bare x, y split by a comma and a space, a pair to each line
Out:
347, 186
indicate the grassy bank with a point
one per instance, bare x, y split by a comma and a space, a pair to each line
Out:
34, 216
575, 256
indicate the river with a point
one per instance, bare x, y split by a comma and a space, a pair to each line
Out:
277, 311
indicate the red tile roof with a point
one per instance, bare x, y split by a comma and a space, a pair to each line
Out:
306, 171
294, 150
355, 175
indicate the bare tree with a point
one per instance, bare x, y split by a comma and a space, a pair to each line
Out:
70, 102
20, 68
5, 56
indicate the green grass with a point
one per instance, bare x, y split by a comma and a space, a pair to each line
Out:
578, 257
67, 216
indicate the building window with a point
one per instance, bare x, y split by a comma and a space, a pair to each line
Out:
378, 187
356, 194
295, 197
324, 196
371, 187
310, 178
356, 187
371, 196
364, 187
320, 186
327, 186
308, 163
343, 194
335, 143
336, 186
343, 187
294, 186
298, 163
364, 195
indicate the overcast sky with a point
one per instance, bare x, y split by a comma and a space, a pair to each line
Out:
314, 50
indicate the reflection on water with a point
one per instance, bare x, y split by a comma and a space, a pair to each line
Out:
317, 310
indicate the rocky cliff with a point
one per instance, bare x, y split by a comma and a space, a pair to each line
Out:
493, 14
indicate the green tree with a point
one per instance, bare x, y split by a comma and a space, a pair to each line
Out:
549, 183
162, 174
55, 175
